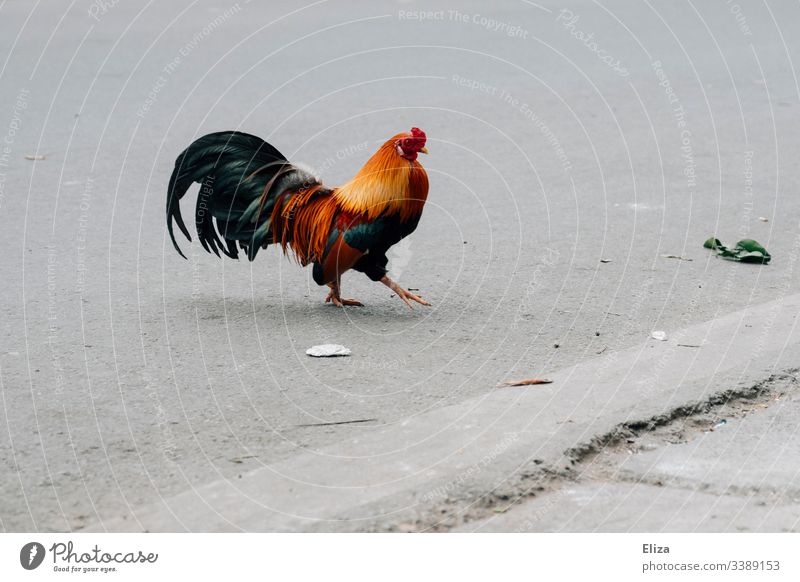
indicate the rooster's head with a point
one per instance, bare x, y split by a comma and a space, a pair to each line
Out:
408, 145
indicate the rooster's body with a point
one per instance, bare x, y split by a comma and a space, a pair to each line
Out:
251, 196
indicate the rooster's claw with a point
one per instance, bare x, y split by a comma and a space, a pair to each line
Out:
333, 297
403, 294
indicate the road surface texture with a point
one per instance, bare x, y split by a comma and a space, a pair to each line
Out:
580, 154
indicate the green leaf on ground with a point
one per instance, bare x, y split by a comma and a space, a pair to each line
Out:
746, 251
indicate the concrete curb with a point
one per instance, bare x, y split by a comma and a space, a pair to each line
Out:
465, 450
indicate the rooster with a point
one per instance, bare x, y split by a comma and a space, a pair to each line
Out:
251, 196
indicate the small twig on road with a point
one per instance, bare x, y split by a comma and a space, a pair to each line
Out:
339, 422
240, 460
528, 382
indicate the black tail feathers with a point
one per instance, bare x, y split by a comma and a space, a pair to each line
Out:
240, 176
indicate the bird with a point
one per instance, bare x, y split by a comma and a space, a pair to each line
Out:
251, 196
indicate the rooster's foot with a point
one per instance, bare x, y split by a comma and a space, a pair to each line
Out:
333, 297
406, 296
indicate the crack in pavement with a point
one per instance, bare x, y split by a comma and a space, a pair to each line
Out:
599, 460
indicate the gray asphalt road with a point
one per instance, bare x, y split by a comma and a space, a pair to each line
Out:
560, 136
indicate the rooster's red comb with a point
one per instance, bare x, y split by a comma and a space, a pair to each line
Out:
419, 137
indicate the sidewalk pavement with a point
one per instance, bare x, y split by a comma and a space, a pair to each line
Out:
457, 466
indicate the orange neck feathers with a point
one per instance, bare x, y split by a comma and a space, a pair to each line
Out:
303, 220
388, 183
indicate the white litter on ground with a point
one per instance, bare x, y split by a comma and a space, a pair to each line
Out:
659, 335
328, 351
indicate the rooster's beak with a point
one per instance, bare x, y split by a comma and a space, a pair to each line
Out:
424, 150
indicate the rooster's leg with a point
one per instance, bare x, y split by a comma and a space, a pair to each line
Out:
402, 293
336, 299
